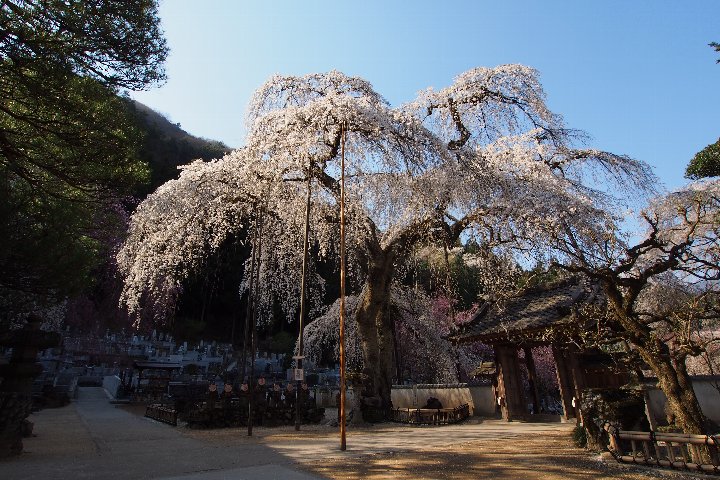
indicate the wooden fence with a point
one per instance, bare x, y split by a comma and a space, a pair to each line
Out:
430, 416
671, 450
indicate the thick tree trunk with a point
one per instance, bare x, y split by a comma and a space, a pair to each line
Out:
376, 332
676, 384
673, 378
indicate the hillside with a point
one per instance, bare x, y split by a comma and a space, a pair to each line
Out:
166, 146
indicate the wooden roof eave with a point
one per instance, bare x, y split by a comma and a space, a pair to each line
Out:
538, 335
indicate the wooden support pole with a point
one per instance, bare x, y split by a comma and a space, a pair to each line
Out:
565, 382
303, 294
509, 383
578, 378
249, 309
343, 444
253, 330
248, 328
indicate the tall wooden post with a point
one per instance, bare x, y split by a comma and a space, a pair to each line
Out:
343, 444
253, 330
303, 307
249, 310
509, 384
578, 378
565, 382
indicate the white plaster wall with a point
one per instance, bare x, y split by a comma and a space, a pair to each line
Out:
326, 397
706, 393
483, 401
479, 398
451, 396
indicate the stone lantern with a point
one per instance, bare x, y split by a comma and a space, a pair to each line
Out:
17, 379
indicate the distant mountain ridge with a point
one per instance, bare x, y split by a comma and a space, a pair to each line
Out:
166, 146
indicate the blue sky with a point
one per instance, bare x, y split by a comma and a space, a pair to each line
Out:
637, 76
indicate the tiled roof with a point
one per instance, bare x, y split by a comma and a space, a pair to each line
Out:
533, 310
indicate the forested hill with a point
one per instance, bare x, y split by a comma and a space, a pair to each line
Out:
166, 146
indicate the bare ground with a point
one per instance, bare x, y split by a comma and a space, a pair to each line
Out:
476, 449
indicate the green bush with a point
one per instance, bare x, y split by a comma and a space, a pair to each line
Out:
579, 437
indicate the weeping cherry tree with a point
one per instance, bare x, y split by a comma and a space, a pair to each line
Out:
484, 159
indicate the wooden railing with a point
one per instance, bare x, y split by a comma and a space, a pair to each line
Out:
430, 416
671, 450
162, 413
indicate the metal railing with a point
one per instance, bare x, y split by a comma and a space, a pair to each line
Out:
430, 416
670, 450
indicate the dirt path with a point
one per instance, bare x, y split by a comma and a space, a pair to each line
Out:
489, 449
546, 456
93, 439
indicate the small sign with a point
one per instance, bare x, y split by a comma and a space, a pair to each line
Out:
299, 374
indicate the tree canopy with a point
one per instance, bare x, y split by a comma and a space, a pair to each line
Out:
118, 43
662, 292
484, 158
68, 143
715, 46
705, 163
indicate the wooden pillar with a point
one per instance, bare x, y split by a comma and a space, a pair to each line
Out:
510, 386
532, 379
577, 373
565, 382
578, 378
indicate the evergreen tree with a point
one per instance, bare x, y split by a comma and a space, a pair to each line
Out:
68, 143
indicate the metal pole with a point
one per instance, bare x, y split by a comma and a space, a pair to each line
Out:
343, 445
303, 307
